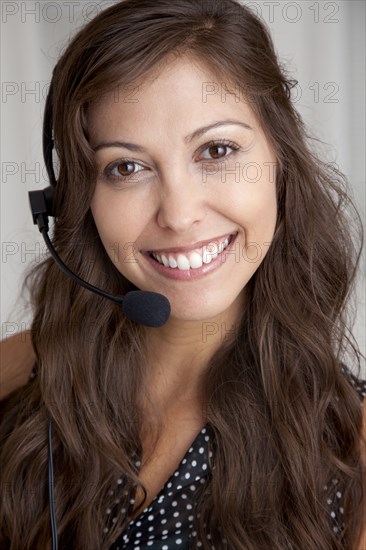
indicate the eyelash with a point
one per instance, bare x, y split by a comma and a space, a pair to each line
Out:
107, 174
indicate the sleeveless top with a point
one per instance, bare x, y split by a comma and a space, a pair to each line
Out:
168, 521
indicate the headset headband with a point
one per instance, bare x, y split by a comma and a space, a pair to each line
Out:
41, 201
48, 142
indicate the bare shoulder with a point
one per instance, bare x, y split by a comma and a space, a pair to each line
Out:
17, 358
362, 544
364, 429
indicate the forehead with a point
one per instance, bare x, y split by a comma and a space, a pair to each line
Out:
172, 97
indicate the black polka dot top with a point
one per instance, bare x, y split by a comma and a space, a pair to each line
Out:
334, 496
167, 522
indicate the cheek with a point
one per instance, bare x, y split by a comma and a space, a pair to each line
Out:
101, 217
119, 226
250, 192
253, 206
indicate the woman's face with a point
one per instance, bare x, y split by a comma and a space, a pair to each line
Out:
177, 181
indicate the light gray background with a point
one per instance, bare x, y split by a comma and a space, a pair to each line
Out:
321, 43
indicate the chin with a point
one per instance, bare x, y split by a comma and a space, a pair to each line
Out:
198, 312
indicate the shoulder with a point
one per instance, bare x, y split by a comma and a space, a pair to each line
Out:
360, 387
362, 545
17, 360
363, 454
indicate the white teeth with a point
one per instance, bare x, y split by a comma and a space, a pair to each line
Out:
172, 262
183, 263
195, 260
223, 245
210, 252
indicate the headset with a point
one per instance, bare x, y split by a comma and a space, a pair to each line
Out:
143, 307
147, 308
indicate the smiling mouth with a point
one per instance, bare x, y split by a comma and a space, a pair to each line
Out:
194, 259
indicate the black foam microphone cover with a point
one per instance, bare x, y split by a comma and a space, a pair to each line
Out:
147, 308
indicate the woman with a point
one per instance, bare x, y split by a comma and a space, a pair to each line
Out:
185, 170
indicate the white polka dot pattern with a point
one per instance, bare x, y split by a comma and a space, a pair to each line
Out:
334, 500
167, 522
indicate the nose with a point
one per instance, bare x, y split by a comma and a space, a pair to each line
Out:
181, 202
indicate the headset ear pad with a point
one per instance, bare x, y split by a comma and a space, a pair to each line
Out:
41, 206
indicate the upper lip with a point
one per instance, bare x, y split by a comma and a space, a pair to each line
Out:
194, 246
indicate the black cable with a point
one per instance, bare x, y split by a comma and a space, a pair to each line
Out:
51, 493
115, 299
146, 308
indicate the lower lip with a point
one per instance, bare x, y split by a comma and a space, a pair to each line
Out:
189, 274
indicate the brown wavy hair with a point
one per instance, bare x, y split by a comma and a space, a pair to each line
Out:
286, 420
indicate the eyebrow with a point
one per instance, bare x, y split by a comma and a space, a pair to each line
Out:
188, 139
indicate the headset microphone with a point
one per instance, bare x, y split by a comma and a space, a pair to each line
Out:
146, 308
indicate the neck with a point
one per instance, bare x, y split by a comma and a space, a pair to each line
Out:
179, 353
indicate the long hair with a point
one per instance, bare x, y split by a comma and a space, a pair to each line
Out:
286, 420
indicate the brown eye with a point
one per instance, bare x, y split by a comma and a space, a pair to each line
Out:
218, 150
127, 171
125, 168
122, 170
214, 148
